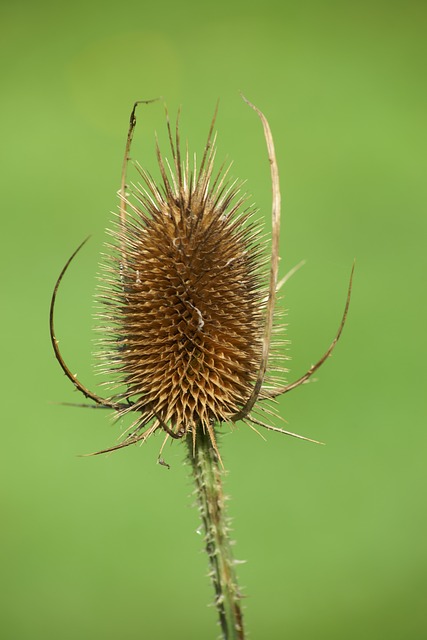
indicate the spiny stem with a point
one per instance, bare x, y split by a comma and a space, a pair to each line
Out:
211, 500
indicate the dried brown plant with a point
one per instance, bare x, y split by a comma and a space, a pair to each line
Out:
187, 321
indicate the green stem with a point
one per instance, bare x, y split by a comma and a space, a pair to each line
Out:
211, 500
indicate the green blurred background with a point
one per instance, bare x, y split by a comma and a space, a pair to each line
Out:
335, 536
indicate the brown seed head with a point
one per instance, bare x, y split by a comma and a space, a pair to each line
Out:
187, 319
185, 297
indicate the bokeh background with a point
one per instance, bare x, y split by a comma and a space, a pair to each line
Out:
335, 536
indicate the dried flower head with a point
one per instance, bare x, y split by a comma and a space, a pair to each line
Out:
187, 314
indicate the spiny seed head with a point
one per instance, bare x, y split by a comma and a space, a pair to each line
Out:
187, 319
184, 296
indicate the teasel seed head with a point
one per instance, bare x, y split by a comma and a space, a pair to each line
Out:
184, 296
188, 317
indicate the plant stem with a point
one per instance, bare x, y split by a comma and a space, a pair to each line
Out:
211, 500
